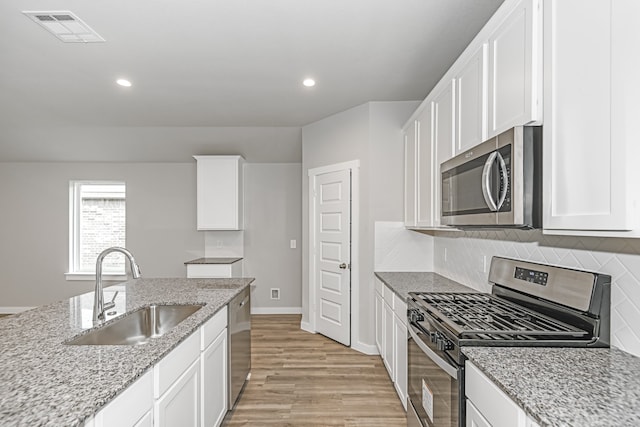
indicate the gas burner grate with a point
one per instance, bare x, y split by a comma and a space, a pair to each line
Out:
484, 316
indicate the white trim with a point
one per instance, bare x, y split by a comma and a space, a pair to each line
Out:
354, 166
92, 276
276, 310
369, 349
14, 310
306, 326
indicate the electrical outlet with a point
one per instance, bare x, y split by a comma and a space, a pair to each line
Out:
445, 254
292, 244
275, 293
483, 264
219, 243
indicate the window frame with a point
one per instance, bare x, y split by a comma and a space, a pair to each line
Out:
74, 271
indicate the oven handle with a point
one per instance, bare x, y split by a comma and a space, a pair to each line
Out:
443, 364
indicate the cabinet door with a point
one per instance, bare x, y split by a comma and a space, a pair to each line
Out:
515, 69
146, 420
388, 340
379, 330
180, 405
471, 90
213, 365
474, 417
426, 178
410, 162
444, 133
400, 359
219, 192
590, 147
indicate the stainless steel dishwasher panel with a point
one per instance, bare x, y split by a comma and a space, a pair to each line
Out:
239, 343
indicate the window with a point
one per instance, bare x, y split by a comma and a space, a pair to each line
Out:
97, 221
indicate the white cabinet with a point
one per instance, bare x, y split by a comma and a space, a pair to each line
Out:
444, 123
180, 404
515, 68
487, 405
219, 192
410, 177
214, 270
213, 367
132, 407
591, 101
391, 336
471, 101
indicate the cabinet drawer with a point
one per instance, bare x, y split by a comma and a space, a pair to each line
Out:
210, 330
131, 406
490, 401
169, 369
400, 309
388, 296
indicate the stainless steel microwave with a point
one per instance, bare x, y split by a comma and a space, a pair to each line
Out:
496, 184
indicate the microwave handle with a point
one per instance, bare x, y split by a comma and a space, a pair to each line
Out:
505, 180
486, 181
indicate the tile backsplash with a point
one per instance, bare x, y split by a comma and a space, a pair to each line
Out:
465, 257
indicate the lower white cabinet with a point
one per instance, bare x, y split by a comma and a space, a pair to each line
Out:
180, 404
213, 367
187, 387
391, 336
132, 407
487, 405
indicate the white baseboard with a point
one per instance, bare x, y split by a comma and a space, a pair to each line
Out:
13, 310
276, 310
368, 349
306, 326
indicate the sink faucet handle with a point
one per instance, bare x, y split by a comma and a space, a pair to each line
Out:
109, 305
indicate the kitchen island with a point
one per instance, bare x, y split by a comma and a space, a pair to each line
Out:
44, 382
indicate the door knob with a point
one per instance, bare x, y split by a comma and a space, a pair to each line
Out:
343, 266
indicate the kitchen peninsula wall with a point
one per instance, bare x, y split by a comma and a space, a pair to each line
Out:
620, 258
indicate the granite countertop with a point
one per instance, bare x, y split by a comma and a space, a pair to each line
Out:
213, 261
566, 386
46, 383
404, 282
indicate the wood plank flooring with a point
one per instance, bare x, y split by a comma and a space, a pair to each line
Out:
302, 379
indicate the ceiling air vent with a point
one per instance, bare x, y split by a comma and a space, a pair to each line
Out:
65, 26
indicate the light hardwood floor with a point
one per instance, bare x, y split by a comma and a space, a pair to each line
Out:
302, 379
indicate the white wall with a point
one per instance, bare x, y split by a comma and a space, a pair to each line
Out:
619, 258
371, 134
34, 224
273, 217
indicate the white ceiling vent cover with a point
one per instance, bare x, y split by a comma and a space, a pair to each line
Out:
65, 26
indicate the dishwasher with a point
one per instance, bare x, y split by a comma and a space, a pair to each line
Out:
239, 331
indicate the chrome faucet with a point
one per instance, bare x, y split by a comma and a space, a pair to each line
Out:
99, 307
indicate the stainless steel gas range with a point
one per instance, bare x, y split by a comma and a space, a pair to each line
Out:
530, 305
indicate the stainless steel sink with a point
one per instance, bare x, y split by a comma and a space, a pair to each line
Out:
138, 326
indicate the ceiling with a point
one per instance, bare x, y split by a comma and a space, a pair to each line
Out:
214, 76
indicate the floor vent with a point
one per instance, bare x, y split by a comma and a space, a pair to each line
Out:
275, 293
65, 26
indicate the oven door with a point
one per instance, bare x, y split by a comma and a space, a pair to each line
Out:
435, 384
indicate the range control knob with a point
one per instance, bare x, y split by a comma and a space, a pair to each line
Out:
444, 344
435, 336
415, 315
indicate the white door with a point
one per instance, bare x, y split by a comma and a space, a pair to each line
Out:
332, 255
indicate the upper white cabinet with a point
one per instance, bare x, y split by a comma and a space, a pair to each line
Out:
591, 104
471, 102
410, 170
515, 68
219, 192
426, 201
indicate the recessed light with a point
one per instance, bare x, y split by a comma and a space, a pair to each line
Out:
124, 82
309, 82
